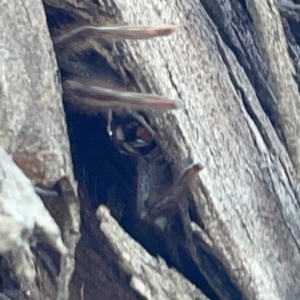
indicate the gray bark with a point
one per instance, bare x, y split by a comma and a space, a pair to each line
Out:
246, 198
247, 195
33, 128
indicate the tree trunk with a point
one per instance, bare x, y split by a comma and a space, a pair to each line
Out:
234, 232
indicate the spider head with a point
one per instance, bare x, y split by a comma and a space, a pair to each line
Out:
131, 136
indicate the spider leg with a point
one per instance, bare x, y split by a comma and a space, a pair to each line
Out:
117, 32
96, 95
169, 201
88, 37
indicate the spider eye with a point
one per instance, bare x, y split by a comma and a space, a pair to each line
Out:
130, 132
132, 137
144, 134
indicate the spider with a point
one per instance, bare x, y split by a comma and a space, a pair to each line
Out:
92, 84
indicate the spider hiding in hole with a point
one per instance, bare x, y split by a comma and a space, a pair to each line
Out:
93, 82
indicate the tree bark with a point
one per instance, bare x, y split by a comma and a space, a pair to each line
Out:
33, 131
228, 63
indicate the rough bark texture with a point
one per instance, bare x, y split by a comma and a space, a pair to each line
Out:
32, 119
22, 215
239, 236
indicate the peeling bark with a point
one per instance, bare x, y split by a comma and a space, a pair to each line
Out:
247, 196
241, 229
32, 120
